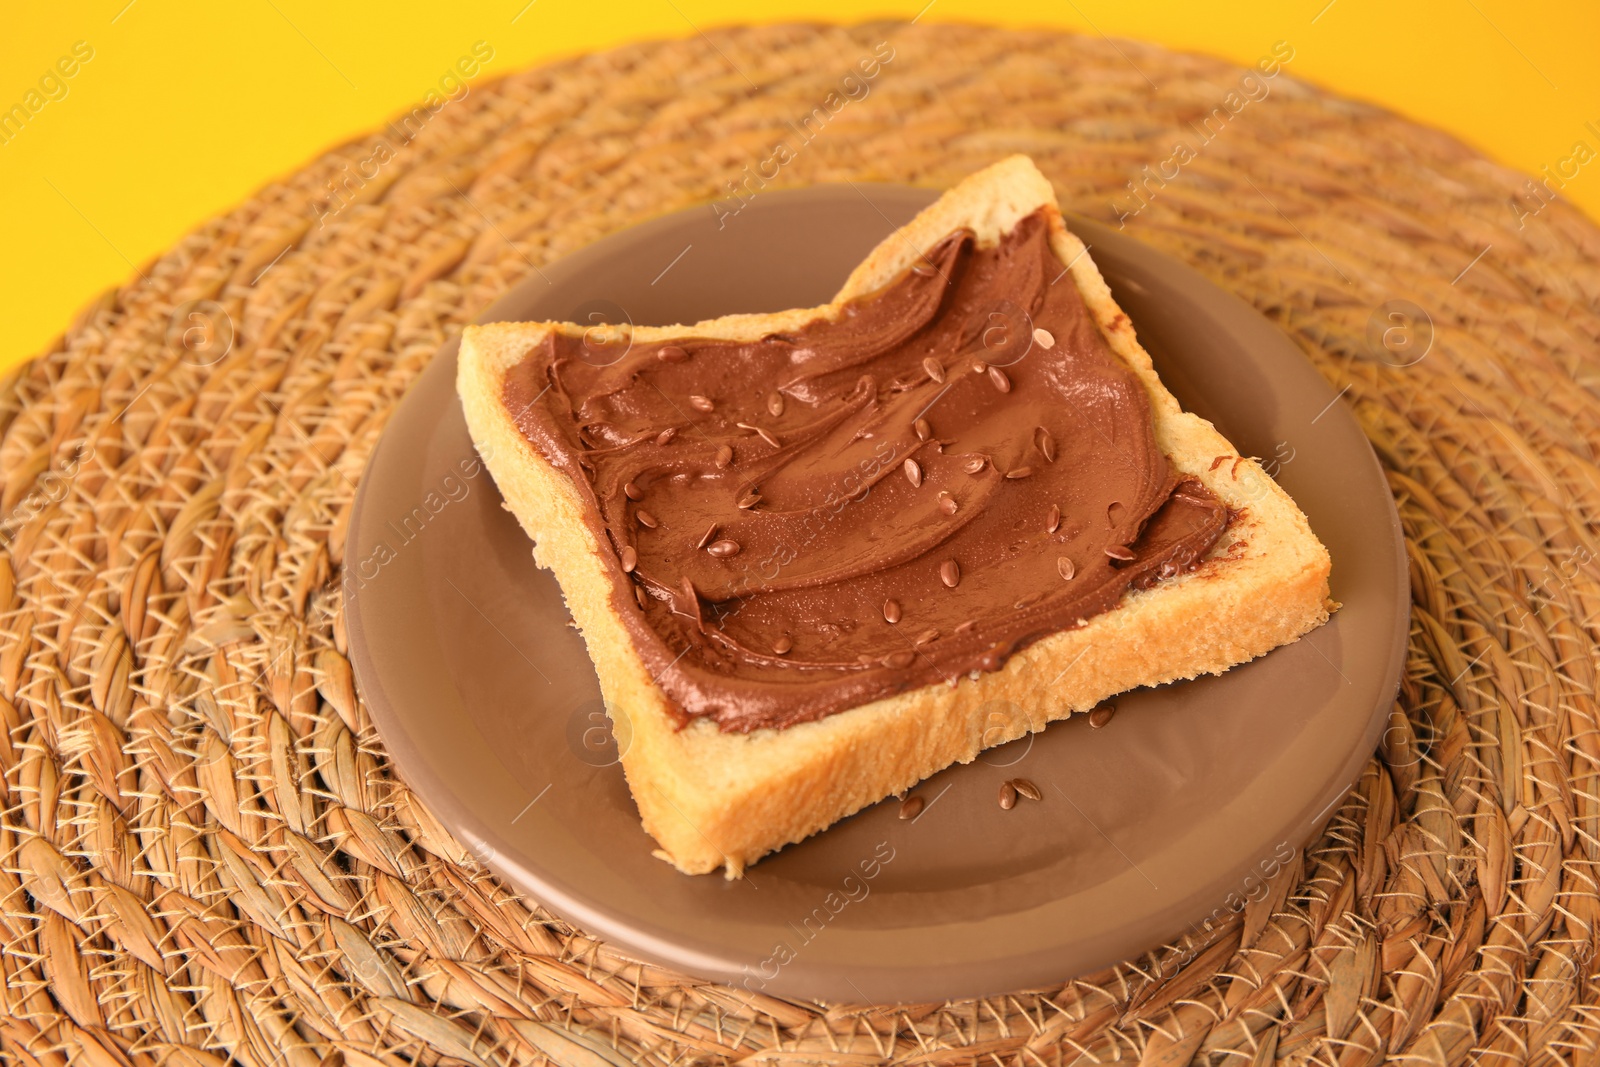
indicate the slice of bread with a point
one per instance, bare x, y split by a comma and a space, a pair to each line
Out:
715, 799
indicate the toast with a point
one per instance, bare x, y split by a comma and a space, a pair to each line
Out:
717, 798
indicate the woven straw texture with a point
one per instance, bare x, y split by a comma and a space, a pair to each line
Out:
205, 857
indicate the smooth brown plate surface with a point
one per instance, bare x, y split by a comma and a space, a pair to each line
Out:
1169, 814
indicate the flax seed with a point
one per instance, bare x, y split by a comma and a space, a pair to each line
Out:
763, 434
1047, 445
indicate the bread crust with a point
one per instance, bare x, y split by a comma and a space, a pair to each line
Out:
722, 800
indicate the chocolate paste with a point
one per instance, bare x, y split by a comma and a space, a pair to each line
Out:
952, 469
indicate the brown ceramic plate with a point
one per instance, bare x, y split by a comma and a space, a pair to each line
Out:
1173, 812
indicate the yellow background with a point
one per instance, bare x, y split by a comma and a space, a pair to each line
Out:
187, 107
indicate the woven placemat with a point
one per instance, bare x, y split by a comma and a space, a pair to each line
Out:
205, 856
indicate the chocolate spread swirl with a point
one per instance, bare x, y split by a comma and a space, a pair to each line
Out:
953, 468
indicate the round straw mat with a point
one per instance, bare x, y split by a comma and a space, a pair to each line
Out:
206, 858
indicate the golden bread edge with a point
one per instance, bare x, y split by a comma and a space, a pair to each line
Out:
714, 800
